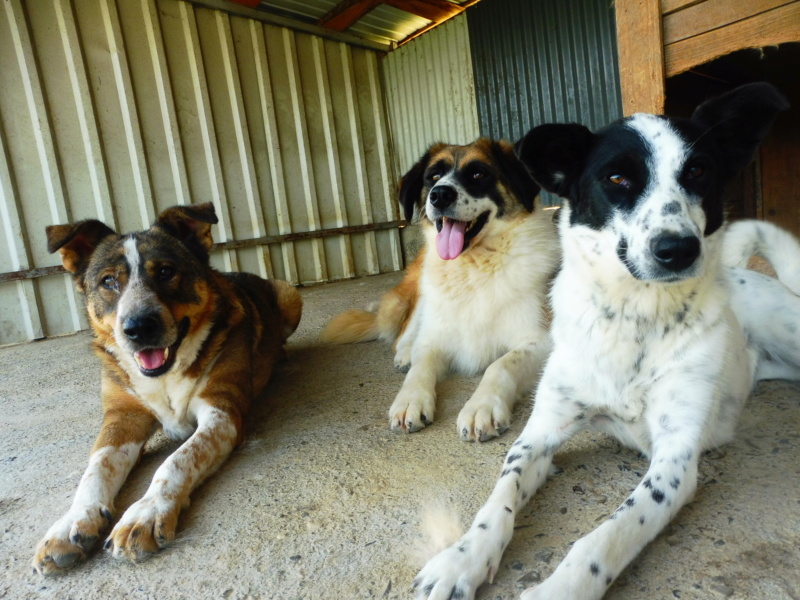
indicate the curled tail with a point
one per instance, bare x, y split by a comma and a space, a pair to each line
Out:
290, 304
747, 238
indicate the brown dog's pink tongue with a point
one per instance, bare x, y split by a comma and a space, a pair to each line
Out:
450, 240
152, 358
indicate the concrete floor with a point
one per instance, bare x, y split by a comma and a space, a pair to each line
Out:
323, 500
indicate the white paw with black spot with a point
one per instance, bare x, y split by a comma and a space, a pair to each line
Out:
456, 572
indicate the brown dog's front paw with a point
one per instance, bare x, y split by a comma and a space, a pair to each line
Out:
70, 538
145, 528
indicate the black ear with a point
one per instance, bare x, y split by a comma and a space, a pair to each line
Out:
191, 224
411, 184
740, 119
77, 242
554, 154
517, 176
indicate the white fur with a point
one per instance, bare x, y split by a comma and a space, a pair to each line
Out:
481, 311
665, 368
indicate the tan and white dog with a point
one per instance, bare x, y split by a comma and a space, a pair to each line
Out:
182, 346
475, 298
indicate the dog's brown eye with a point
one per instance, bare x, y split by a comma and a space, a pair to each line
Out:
436, 177
695, 172
165, 273
618, 179
478, 175
109, 282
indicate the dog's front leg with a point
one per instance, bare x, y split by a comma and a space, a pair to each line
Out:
126, 427
415, 404
599, 557
149, 524
487, 414
459, 570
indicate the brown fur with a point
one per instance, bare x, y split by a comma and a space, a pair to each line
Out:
238, 324
388, 322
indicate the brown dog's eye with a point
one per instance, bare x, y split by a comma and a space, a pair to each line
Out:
696, 171
109, 282
166, 273
618, 179
478, 175
436, 177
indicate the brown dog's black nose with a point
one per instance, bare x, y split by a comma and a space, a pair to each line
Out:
442, 196
143, 329
674, 252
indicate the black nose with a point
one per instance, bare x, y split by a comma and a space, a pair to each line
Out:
144, 329
442, 196
675, 252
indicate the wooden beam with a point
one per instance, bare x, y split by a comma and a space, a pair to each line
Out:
345, 14
641, 56
712, 14
433, 10
777, 26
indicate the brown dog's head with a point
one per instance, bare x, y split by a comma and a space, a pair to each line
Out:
144, 291
462, 190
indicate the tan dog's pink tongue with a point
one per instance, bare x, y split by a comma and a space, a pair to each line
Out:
152, 358
450, 240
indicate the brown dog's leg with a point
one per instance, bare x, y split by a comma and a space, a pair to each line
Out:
126, 427
149, 524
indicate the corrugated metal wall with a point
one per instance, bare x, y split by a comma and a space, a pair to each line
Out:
430, 92
119, 109
539, 61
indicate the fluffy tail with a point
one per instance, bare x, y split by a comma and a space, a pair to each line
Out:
291, 305
387, 322
747, 238
440, 528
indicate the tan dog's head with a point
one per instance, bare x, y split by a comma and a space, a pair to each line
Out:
145, 291
462, 190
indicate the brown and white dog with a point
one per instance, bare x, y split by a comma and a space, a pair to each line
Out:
181, 345
475, 298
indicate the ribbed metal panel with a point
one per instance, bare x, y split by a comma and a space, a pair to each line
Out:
430, 92
118, 109
539, 61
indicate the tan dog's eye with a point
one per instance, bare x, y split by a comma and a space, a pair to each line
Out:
166, 273
436, 177
109, 282
478, 175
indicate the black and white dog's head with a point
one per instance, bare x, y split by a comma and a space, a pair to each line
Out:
653, 184
465, 190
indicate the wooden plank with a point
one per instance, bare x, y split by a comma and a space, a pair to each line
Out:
433, 10
771, 28
713, 14
670, 6
780, 173
641, 56
346, 13
235, 244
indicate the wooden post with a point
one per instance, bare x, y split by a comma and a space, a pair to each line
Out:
641, 55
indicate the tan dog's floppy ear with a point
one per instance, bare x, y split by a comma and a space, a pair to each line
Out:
191, 224
411, 185
77, 242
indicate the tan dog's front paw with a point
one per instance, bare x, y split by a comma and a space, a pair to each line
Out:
145, 528
70, 538
482, 419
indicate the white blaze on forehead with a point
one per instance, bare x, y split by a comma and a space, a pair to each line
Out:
135, 291
668, 151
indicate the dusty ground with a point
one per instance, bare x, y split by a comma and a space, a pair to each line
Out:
323, 501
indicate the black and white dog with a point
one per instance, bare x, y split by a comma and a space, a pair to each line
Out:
647, 346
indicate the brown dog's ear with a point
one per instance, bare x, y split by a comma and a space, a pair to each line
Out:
515, 173
191, 224
411, 184
77, 242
